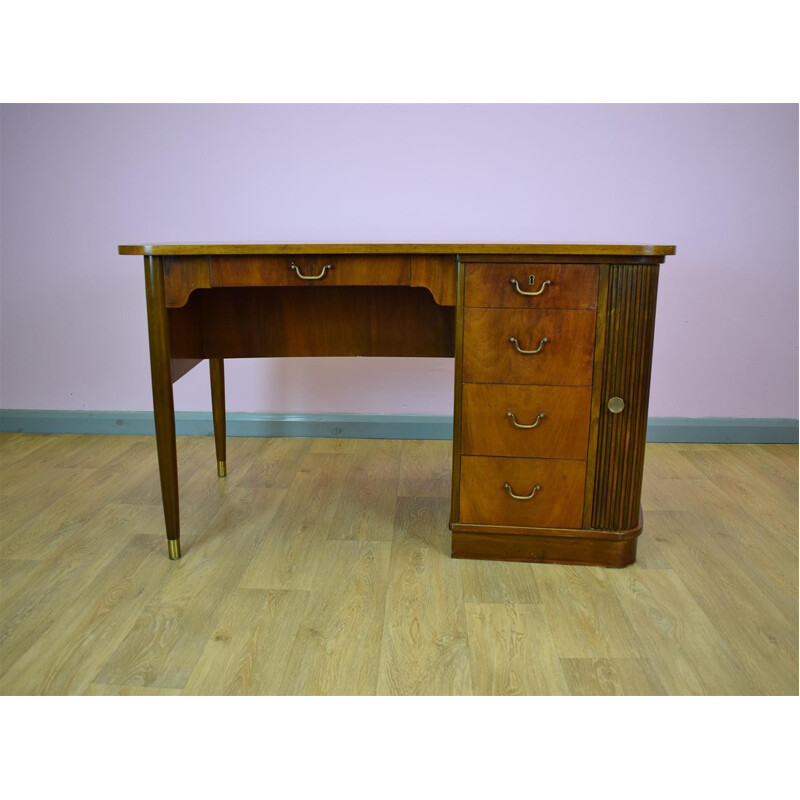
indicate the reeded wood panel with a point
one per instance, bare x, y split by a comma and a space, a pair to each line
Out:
630, 320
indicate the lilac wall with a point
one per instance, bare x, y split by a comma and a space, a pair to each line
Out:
719, 181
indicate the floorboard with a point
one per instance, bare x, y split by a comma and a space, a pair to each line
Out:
322, 567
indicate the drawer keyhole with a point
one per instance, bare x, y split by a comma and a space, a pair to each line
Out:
531, 282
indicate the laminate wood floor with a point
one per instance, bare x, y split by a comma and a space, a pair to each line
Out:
323, 567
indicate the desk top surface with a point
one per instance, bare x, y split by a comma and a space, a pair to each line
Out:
471, 248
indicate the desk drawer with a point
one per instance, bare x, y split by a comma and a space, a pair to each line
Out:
486, 483
565, 359
554, 285
344, 270
559, 414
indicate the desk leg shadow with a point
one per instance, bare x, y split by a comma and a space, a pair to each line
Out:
217, 371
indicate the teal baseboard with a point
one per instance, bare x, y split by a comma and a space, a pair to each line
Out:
732, 430
369, 426
200, 423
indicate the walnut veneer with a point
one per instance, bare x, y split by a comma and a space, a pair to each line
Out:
553, 346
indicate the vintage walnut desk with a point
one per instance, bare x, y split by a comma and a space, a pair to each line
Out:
553, 346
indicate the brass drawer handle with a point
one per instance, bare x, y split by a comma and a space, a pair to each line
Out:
528, 352
310, 277
539, 418
507, 487
531, 280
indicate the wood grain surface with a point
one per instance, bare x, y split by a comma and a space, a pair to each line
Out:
558, 503
289, 585
264, 322
567, 285
564, 360
487, 430
380, 247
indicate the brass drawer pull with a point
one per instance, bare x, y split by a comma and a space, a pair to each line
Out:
539, 418
507, 487
528, 352
310, 277
531, 280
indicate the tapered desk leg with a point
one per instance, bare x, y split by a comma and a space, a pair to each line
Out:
163, 406
217, 370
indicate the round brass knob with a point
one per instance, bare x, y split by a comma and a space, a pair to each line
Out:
616, 405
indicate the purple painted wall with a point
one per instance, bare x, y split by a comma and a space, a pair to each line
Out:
719, 181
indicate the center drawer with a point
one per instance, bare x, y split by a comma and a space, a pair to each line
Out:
295, 270
504, 345
487, 485
527, 421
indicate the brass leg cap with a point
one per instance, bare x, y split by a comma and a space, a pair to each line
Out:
221, 471
174, 546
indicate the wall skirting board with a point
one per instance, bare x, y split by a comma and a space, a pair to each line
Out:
369, 426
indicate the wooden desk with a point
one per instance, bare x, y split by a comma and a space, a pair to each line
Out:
553, 346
